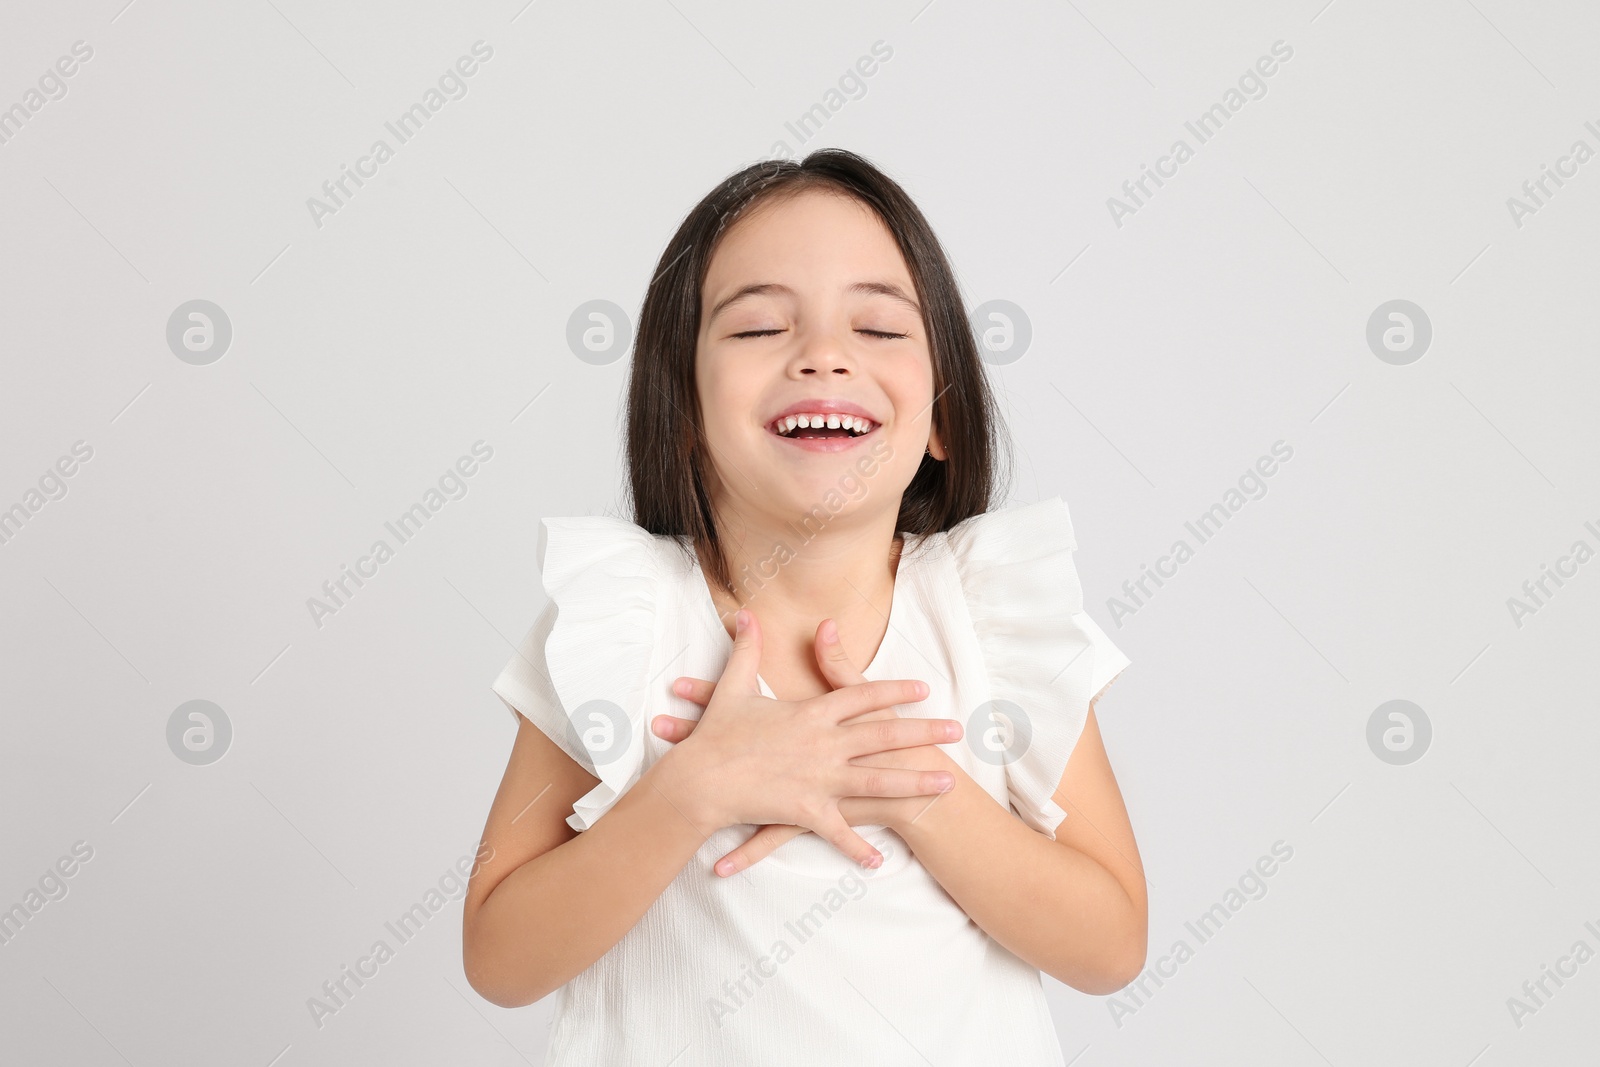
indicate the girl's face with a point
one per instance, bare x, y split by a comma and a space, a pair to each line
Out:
808, 307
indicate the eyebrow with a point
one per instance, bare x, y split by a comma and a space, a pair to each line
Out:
888, 289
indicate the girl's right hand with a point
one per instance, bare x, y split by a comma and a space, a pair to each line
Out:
752, 759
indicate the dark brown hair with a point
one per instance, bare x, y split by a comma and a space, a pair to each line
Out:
665, 436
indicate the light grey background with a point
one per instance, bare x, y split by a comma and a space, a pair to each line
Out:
1168, 354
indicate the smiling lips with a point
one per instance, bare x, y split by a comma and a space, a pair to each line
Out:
819, 424
823, 426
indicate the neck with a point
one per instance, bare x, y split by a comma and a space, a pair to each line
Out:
795, 570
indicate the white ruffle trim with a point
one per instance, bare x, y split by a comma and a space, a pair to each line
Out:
1045, 655
603, 576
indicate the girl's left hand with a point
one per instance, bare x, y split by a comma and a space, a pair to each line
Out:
857, 811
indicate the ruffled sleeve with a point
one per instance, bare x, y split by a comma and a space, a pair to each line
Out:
1046, 658
580, 673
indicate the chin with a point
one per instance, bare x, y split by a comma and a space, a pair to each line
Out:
846, 495
797, 483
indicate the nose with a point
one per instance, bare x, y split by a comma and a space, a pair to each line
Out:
822, 354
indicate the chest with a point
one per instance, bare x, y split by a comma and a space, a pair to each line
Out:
789, 668
927, 636
791, 672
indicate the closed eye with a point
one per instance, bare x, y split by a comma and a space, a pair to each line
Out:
874, 333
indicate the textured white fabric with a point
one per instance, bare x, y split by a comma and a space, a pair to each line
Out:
805, 958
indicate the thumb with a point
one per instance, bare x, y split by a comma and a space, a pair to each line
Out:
833, 659
745, 661
840, 671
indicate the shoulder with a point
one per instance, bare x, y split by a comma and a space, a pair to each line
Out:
1046, 657
1025, 529
608, 579
570, 545
1018, 579
1017, 559
581, 673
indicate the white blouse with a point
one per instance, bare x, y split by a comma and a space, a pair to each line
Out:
805, 958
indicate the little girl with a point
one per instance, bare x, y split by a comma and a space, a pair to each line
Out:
806, 768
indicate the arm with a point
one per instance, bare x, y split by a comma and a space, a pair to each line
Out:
1087, 885
1088, 882
549, 901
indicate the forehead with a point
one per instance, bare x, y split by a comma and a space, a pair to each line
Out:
811, 238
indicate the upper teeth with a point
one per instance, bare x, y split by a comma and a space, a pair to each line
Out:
853, 423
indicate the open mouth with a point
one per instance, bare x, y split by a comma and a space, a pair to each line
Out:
821, 427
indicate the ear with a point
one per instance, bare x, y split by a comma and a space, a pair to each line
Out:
935, 446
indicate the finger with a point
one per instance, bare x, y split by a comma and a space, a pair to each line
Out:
835, 662
672, 728
886, 782
839, 669
696, 689
870, 716
760, 845
884, 735
852, 700
744, 663
832, 827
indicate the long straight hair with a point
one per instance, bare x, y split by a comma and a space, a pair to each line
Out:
666, 448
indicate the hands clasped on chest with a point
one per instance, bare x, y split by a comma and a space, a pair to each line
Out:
823, 764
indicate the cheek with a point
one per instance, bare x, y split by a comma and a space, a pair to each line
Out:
730, 396
911, 392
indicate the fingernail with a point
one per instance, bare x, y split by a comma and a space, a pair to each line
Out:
945, 782
724, 867
922, 689
830, 632
740, 621
952, 730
